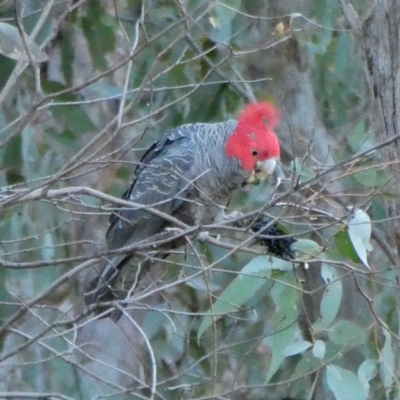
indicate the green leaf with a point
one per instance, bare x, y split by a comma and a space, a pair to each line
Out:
344, 383
306, 364
344, 245
306, 248
331, 298
12, 46
67, 137
221, 19
286, 298
67, 55
230, 11
300, 171
12, 156
296, 348
372, 177
359, 228
347, 334
124, 173
319, 349
342, 58
72, 115
360, 139
386, 361
99, 33
282, 338
366, 372
12, 160
243, 288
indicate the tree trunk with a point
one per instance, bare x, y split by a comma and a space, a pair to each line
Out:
381, 51
381, 41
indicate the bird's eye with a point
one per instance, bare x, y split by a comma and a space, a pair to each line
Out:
254, 153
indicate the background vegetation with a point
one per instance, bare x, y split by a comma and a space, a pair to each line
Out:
87, 85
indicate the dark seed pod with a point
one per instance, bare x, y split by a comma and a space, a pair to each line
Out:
279, 246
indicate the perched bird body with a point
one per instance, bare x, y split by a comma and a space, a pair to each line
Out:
190, 174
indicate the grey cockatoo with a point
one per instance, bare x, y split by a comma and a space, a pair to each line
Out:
190, 174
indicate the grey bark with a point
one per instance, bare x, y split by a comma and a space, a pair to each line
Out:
381, 38
381, 51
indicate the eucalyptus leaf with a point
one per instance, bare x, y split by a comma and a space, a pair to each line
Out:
296, 348
344, 245
360, 139
282, 338
242, 288
301, 171
319, 349
12, 46
344, 383
387, 361
221, 19
359, 228
306, 248
331, 298
347, 334
367, 371
286, 298
73, 116
372, 177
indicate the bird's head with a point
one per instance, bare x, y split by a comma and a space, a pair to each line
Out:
253, 142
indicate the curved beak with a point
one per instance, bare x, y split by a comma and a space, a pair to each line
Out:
262, 170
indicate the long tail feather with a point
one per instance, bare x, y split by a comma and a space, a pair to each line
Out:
100, 288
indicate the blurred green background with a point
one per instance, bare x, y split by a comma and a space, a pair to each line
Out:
84, 91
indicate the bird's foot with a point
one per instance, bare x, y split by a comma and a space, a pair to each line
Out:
202, 236
222, 217
233, 215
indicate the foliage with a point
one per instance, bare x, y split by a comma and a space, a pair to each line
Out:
86, 86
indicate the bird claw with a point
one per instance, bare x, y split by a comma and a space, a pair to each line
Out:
202, 236
221, 216
233, 215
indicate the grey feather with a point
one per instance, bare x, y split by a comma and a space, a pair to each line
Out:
185, 174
